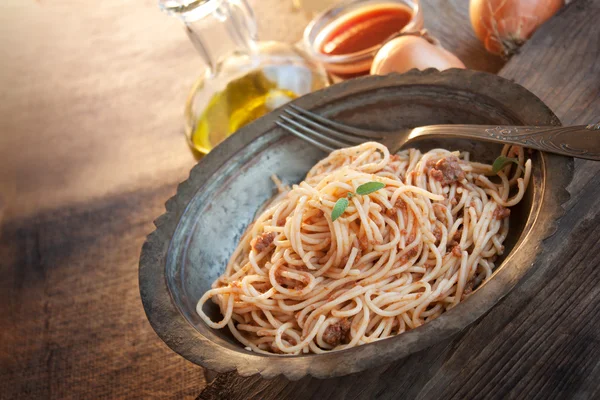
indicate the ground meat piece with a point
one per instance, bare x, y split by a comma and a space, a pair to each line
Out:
412, 252
440, 211
456, 251
391, 212
456, 237
337, 333
447, 170
364, 242
436, 174
430, 163
437, 232
281, 221
302, 268
501, 212
263, 241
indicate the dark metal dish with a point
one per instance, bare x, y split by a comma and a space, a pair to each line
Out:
205, 220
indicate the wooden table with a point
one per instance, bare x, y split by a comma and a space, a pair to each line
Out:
91, 147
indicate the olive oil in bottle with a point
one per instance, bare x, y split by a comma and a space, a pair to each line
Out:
244, 78
250, 97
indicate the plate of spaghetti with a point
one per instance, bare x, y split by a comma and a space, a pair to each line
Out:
275, 258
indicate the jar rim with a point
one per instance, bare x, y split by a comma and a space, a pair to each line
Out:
326, 18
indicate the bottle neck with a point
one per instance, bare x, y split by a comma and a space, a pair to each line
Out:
216, 28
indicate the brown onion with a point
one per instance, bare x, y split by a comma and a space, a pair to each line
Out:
504, 25
410, 51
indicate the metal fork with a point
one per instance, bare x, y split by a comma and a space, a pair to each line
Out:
582, 141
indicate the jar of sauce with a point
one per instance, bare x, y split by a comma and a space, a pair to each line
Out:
346, 38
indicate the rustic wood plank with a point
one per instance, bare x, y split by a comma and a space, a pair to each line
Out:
73, 325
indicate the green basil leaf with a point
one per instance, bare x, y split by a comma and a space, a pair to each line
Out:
501, 161
369, 187
339, 208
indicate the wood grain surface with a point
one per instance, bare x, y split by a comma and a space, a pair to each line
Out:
91, 147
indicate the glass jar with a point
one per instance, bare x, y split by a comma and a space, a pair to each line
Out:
354, 17
244, 79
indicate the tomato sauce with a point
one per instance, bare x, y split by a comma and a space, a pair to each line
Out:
366, 27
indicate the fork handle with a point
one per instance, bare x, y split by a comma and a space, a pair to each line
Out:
582, 141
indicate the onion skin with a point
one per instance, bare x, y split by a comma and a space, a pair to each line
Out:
504, 25
404, 53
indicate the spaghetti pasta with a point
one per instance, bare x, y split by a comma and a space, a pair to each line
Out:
396, 258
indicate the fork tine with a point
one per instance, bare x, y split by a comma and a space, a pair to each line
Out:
308, 139
346, 136
316, 134
363, 133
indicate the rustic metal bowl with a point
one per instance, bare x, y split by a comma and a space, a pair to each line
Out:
205, 220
